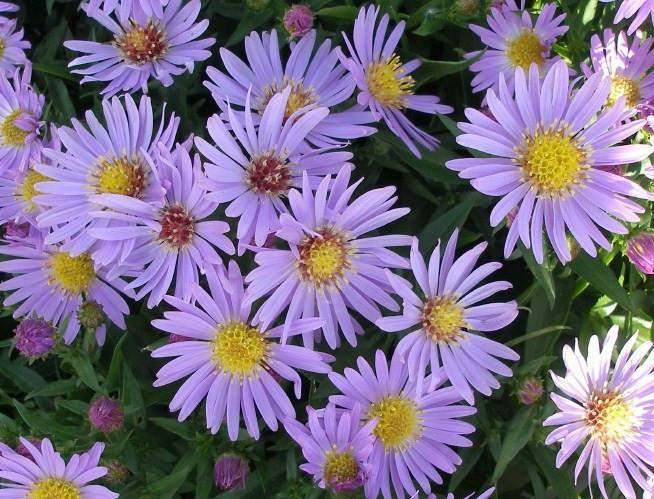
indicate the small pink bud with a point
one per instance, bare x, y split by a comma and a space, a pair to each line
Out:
530, 391
106, 414
231, 472
34, 337
298, 20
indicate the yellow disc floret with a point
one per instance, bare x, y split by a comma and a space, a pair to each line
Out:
3, 45
610, 417
398, 421
238, 348
525, 49
387, 82
11, 134
54, 488
339, 467
299, 96
324, 258
621, 86
122, 175
28, 189
552, 161
73, 274
442, 319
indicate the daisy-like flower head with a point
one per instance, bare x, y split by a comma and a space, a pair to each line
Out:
147, 43
450, 320
173, 239
12, 47
230, 361
549, 143
45, 474
58, 287
329, 264
313, 79
414, 432
385, 83
514, 41
253, 169
20, 121
638, 9
101, 160
607, 410
336, 446
628, 66
124, 7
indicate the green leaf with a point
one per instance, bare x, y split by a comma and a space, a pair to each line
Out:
75, 406
131, 391
112, 381
23, 377
55, 68
516, 436
84, 369
559, 479
445, 224
602, 278
168, 486
58, 387
435, 70
250, 21
41, 423
174, 426
344, 12
541, 272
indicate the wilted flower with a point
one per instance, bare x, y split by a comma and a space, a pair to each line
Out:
640, 251
467, 7
298, 20
34, 337
231, 472
530, 390
106, 414
117, 472
24, 451
90, 315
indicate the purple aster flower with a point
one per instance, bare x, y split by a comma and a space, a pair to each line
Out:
484, 495
106, 414
451, 322
20, 115
147, 43
530, 390
330, 265
645, 111
640, 251
230, 361
101, 160
414, 431
547, 143
124, 7
8, 7
231, 472
314, 79
336, 447
514, 40
174, 239
53, 285
12, 47
385, 83
253, 170
34, 337
298, 20
607, 410
45, 475
628, 66
628, 8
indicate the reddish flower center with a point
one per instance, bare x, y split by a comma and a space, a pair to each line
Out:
442, 319
268, 174
610, 417
142, 44
177, 226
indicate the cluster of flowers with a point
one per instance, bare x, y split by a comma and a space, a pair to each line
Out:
119, 206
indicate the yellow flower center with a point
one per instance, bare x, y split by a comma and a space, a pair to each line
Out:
324, 258
525, 49
339, 467
73, 274
610, 417
54, 488
623, 86
2, 47
298, 98
387, 82
398, 421
123, 175
552, 161
142, 44
11, 134
442, 319
238, 348
28, 189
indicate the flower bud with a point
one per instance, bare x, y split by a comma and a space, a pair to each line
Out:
106, 414
298, 20
90, 315
231, 472
640, 251
467, 7
22, 450
530, 391
34, 337
15, 230
117, 472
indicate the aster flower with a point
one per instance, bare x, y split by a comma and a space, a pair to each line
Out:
12, 47
514, 41
101, 160
607, 410
230, 361
314, 79
8, 7
548, 143
638, 9
450, 320
52, 284
414, 431
34, 337
174, 239
329, 264
147, 43
20, 115
640, 251
336, 447
106, 414
124, 8
231, 472
45, 475
628, 66
253, 170
484, 495
384, 82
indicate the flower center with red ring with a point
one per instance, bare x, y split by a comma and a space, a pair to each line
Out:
177, 226
268, 174
142, 44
